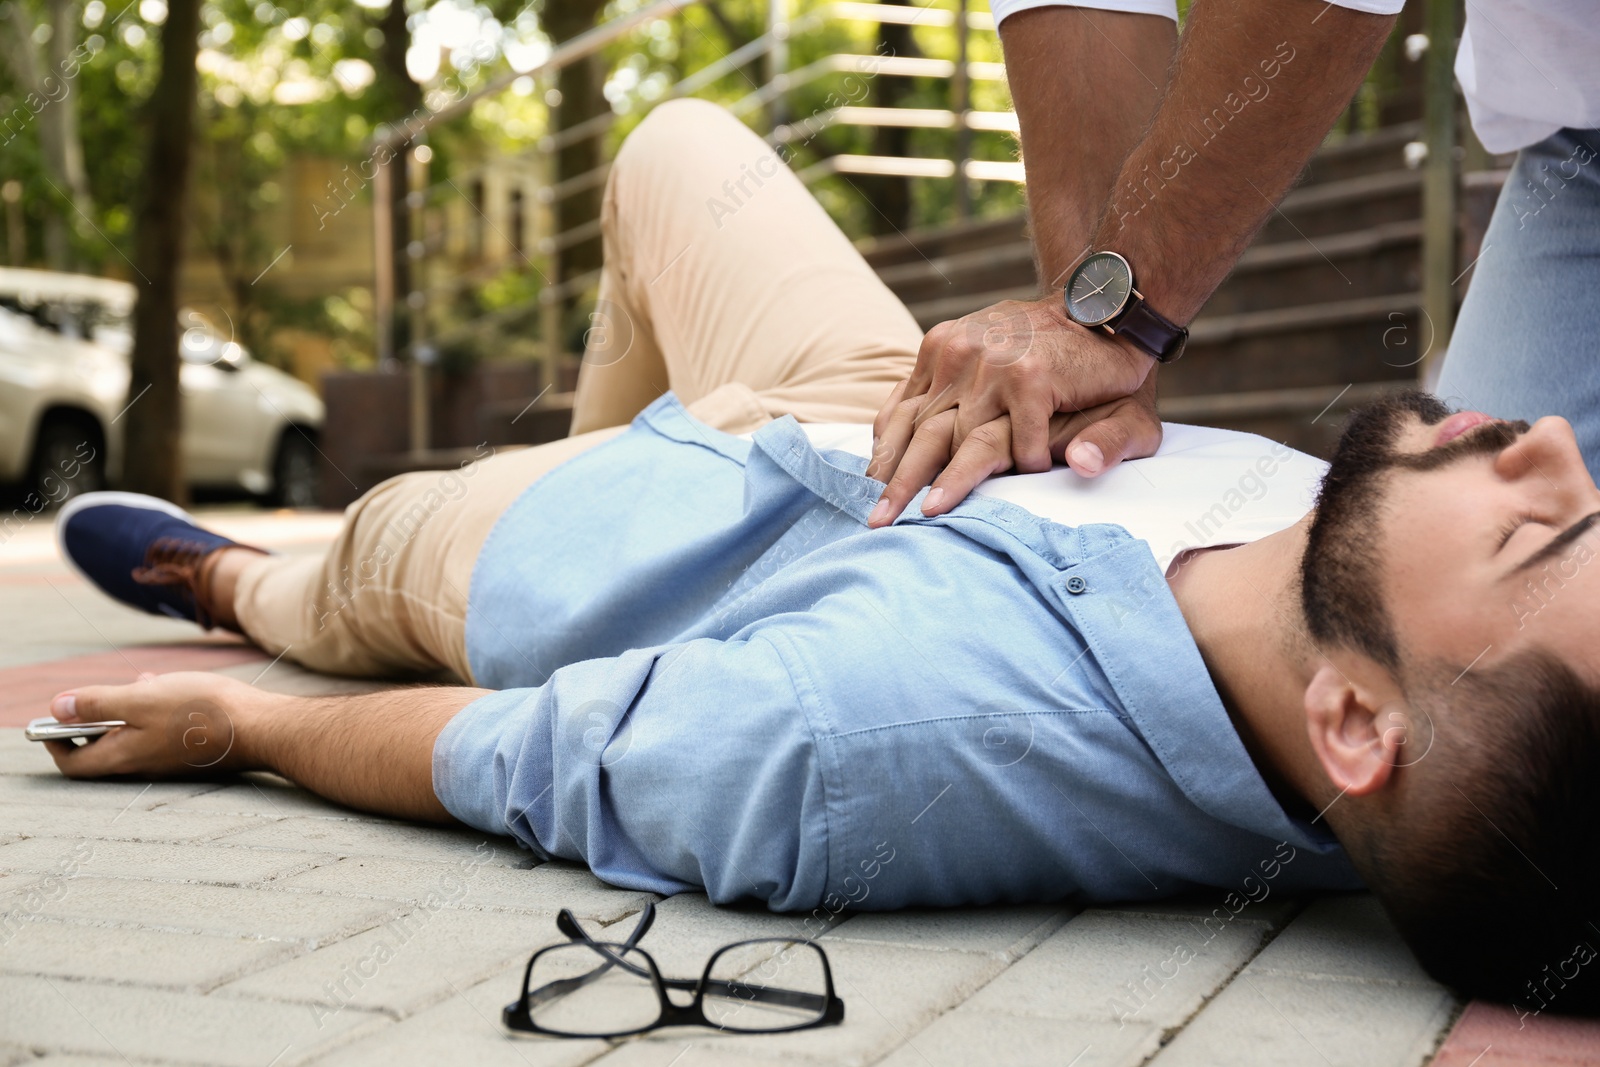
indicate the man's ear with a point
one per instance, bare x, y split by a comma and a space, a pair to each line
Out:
1355, 731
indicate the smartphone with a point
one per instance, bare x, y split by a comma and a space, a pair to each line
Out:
48, 729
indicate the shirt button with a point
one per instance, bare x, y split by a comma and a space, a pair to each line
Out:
1076, 585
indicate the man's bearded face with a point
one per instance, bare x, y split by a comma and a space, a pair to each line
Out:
1341, 587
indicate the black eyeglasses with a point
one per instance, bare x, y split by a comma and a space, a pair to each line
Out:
588, 988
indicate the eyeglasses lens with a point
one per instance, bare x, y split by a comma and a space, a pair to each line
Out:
577, 991
766, 985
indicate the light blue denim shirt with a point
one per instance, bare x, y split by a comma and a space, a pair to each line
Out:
714, 675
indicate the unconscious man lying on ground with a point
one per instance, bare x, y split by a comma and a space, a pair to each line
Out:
698, 666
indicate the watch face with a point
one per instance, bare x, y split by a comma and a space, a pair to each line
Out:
1099, 289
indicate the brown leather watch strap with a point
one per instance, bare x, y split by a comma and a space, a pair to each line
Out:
1150, 330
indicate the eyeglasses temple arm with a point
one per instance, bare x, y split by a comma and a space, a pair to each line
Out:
568, 924
789, 998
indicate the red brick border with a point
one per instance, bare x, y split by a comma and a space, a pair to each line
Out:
1493, 1035
25, 691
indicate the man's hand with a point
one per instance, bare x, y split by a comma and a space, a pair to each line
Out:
179, 725
373, 752
1007, 382
1017, 384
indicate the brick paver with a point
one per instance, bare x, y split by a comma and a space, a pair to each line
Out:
25, 691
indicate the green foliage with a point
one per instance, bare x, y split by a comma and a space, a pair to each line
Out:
510, 288
658, 55
287, 80
122, 64
254, 59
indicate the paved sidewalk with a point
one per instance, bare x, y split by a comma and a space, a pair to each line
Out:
243, 921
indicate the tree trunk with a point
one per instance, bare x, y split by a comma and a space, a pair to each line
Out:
582, 98
407, 101
65, 19
154, 462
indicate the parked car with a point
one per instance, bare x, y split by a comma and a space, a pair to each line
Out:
65, 341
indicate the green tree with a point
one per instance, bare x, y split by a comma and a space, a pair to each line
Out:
326, 93
41, 51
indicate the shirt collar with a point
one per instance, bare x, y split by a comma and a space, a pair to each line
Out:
1128, 617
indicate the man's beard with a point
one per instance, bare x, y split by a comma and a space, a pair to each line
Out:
1341, 574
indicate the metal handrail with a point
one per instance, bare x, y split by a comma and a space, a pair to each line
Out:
905, 15
563, 55
894, 66
839, 63
395, 139
918, 118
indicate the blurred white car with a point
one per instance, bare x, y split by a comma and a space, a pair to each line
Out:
64, 369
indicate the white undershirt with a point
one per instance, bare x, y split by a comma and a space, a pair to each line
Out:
1204, 487
1527, 67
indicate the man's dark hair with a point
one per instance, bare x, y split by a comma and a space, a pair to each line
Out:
1489, 862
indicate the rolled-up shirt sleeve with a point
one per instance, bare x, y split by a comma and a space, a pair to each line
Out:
1004, 9
664, 769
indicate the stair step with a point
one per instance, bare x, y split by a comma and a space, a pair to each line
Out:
1316, 401
1368, 263
1217, 329
1307, 419
1345, 205
1372, 339
1280, 254
988, 257
1378, 259
930, 313
1348, 191
892, 249
1006, 265
1357, 154
1209, 329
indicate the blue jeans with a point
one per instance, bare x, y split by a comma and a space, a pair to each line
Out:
1527, 343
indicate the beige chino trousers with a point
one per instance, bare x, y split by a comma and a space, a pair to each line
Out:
724, 280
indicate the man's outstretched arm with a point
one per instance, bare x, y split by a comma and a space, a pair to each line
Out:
372, 752
1257, 85
665, 768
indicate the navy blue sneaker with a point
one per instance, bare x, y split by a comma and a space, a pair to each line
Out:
141, 550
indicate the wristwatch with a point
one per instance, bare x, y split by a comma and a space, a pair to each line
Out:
1100, 293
